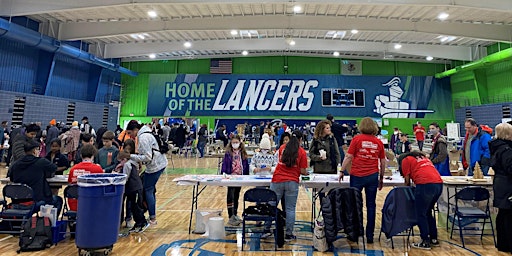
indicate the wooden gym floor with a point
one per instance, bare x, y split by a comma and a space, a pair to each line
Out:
170, 236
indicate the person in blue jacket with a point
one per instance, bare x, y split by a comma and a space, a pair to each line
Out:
235, 162
476, 147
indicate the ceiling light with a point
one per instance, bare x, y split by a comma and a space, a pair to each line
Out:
297, 8
152, 56
446, 39
141, 36
398, 46
335, 34
354, 31
429, 58
336, 54
187, 44
292, 42
152, 14
245, 53
443, 16
234, 32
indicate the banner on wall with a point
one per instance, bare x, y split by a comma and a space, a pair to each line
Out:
299, 95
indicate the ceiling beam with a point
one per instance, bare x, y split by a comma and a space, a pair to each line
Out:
91, 30
30, 7
302, 44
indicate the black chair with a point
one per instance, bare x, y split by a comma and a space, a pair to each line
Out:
70, 192
20, 208
260, 196
470, 214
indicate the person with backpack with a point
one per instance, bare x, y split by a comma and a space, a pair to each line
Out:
475, 147
133, 189
107, 155
148, 153
439, 154
85, 127
324, 151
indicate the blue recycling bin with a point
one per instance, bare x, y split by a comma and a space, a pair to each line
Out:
100, 199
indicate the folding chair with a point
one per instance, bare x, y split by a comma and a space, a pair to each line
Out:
398, 214
471, 213
20, 209
70, 192
260, 196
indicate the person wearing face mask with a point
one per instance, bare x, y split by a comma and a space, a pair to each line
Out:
439, 154
235, 162
395, 137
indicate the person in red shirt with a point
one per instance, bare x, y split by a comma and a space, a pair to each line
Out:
419, 132
417, 167
293, 162
366, 154
87, 166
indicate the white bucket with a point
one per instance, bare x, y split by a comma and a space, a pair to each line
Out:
216, 228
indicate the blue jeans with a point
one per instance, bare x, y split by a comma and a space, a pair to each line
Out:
426, 196
200, 147
150, 180
290, 190
370, 184
485, 170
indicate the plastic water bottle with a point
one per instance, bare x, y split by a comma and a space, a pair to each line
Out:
239, 238
339, 168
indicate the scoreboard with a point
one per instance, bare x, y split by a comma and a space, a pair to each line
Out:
337, 97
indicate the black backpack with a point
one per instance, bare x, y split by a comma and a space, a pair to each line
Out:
36, 234
163, 147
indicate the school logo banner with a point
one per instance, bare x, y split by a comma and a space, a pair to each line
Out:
298, 95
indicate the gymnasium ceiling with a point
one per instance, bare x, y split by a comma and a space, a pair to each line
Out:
124, 29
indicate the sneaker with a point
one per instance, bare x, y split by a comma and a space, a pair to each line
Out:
133, 229
422, 245
233, 221
153, 222
143, 227
238, 218
434, 243
289, 238
130, 223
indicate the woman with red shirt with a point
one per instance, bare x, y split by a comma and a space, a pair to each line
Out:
429, 185
366, 154
293, 162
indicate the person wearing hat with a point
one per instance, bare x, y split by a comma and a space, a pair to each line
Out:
52, 133
33, 171
264, 162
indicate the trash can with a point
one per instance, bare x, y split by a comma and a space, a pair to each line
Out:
100, 199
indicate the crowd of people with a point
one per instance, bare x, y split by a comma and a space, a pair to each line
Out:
34, 154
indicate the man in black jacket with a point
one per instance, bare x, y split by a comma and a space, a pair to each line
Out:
33, 171
338, 130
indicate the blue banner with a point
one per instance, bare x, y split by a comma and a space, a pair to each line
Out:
299, 95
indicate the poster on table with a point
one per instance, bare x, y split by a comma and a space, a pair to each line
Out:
299, 96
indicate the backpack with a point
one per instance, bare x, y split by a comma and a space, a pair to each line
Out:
162, 146
36, 234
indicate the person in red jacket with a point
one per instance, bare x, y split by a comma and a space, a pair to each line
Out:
417, 167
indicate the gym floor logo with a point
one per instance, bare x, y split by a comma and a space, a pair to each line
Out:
207, 247
392, 106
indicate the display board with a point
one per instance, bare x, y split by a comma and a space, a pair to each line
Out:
453, 130
336, 97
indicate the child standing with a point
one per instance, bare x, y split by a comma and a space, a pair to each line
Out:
107, 155
264, 162
56, 157
133, 189
234, 163
403, 145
